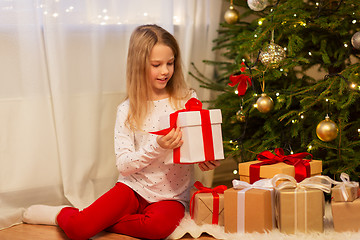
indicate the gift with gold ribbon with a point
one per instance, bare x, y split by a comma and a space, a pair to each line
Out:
201, 133
249, 207
271, 163
207, 204
300, 206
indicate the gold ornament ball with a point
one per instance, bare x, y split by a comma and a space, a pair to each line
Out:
264, 103
231, 15
272, 55
240, 116
327, 130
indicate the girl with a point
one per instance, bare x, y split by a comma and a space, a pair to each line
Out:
149, 199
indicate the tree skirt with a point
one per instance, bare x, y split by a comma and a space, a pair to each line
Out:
187, 225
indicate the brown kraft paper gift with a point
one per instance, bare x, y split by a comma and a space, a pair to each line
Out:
203, 209
257, 211
300, 210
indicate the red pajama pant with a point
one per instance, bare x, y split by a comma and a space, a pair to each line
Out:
121, 210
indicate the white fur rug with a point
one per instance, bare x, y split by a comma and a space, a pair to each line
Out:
187, 225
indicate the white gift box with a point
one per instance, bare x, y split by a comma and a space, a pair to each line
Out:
192, 150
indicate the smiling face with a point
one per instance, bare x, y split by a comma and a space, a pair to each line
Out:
160, 71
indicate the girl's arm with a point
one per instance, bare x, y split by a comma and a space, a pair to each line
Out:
128, 159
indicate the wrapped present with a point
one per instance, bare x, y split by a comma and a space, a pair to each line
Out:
249, 208
346, 215
207, 205
269, 164
344, 191
300, 206
201, 132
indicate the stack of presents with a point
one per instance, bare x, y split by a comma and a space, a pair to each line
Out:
281, 199
276, 191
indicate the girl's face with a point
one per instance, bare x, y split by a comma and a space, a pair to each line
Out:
161, 70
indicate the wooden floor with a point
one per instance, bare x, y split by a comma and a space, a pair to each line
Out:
42, 232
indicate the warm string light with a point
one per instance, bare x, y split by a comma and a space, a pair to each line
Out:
255, 105
235, 144
296, 23
102, 18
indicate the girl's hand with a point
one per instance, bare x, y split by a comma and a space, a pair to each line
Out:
172, 140
208, 165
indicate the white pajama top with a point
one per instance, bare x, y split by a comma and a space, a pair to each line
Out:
146, 167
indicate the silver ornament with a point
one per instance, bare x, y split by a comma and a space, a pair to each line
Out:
257, 5
355, 40
272, 55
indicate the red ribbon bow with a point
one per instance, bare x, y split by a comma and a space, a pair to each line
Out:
215, 192
302, 166
193, 104
243, 80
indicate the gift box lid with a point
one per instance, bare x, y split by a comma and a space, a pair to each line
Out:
268, 171
337, 196
191, 118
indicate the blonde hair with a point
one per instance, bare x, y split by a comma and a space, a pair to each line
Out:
142, 40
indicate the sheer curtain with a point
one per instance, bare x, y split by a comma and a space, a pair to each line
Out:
62, 76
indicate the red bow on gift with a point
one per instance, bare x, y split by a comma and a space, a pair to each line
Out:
193, 104
243, 80
215, 192
302, 166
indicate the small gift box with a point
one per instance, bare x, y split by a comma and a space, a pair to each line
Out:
207, 205
344, 191
346, 215
300, 206
269, 164
249, 208
201, 133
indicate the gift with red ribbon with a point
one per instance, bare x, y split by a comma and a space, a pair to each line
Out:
301, 165
200, 208
195, 123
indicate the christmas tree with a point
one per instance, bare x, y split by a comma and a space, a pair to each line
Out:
289, 78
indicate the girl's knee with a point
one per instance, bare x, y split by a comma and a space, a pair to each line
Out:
69, 220
165, 222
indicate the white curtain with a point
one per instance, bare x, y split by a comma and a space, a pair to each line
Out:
62, 75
